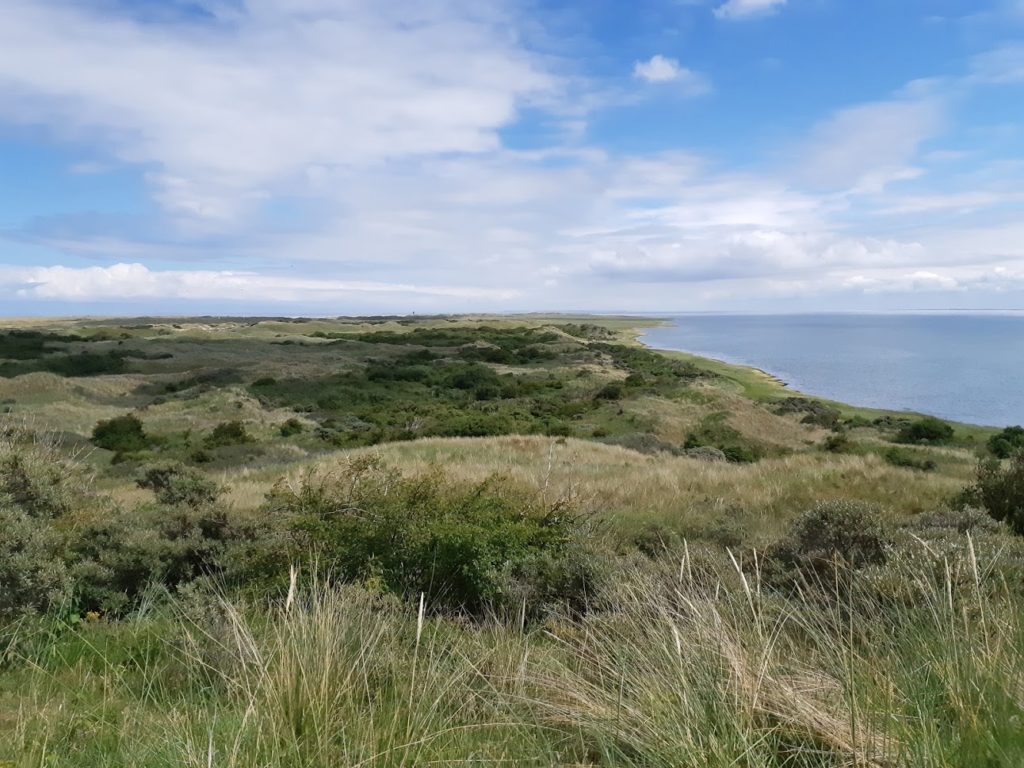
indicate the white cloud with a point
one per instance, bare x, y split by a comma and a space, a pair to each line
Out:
135, 281
660, 70
1001, 66
868, 146
224, 114
747, 9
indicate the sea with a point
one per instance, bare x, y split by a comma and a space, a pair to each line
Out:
960, 366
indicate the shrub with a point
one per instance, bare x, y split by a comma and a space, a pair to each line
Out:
228, 433
1008, 442
716, 433
815, 412
35, 493
175, 484
965, 520
999, 491
838, 443
116, 558
927, 431
32, 572
292, 427
472, 376
122, 434
827, 542
641, 442
613, 390
467, 547
907, 460
706, 453
35, 485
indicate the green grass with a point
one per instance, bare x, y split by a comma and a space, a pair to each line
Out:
692, 668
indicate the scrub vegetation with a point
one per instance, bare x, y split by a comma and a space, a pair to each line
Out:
455, 540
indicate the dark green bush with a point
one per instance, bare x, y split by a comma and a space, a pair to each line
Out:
1008, 442
999, 490
814, 411
926, 431
908, 460
228, 433
122, 434
292, 427
613, 390
468, 548
715, 433
115, 558
176, 484
838, 443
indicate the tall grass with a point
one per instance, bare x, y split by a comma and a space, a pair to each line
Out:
690, 664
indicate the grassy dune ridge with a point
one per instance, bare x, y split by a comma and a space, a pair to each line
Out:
695, 566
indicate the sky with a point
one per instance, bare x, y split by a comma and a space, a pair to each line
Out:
330, 157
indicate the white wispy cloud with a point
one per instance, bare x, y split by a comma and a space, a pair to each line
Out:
747, 9
226, 114
136, 281
867, 146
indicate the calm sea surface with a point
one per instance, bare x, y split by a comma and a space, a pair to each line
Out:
957, 366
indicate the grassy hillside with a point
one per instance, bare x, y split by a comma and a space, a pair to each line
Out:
486, 540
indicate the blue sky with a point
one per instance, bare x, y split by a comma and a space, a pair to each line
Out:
351, 156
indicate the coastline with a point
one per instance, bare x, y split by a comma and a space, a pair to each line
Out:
765, 387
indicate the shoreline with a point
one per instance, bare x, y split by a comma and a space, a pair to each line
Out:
764, 386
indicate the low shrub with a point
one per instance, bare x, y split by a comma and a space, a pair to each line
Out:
926, 431
907, 460
472, 548
292, 427
1007, 442
228, 433
33, 576
826, 543
613, 390
999, 490
175, 484
814, 411
715, 433
705, 453
122, 434
838, 443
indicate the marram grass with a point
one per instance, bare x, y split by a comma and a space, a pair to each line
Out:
685, 665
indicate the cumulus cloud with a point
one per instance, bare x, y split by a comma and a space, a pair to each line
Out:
747, 9
660, 70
